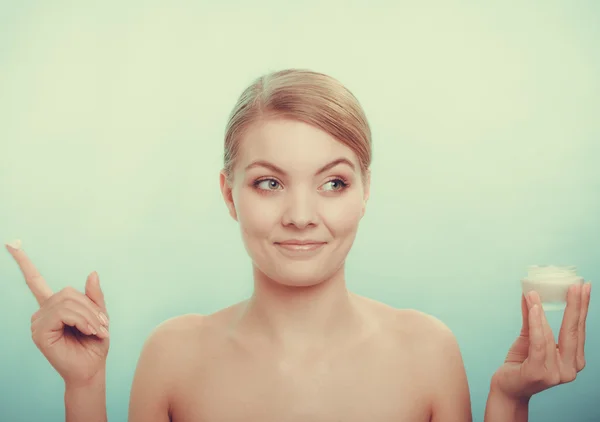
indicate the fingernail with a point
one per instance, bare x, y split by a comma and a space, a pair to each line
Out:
14, 244
103, 330
103, 319
92, 329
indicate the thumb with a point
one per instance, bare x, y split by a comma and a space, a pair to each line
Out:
94, 291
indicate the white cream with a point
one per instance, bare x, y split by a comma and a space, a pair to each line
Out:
15, 244
551, 283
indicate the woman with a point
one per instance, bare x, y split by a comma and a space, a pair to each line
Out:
302, 347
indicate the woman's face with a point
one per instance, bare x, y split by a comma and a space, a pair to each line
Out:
298, 196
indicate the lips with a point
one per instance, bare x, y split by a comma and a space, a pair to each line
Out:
300, 242
300, 245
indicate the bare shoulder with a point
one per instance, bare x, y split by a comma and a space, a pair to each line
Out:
174, 330
427, 341
410, 324
163, 351
433, 350
190, 334
170, 353
431, 329
434, 340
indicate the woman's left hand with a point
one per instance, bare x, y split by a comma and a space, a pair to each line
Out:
535, 362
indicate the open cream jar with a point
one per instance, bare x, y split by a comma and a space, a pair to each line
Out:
551, 283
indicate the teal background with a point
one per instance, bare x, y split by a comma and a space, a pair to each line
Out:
486, 138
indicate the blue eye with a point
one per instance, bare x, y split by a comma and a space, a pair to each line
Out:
267, 184
335, 185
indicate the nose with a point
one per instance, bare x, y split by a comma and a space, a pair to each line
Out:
300, 209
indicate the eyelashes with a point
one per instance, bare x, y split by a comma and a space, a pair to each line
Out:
341, 183
271, 185
259, 182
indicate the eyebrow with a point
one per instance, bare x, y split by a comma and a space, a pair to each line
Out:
273, 167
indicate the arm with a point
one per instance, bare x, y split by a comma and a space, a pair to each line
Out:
87, 403
451, 396
500, 408
153, 379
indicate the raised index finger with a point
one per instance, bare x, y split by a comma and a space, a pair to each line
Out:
33, 278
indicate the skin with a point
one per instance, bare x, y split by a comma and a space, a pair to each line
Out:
302, 347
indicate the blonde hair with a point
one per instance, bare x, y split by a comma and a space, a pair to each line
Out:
306, 96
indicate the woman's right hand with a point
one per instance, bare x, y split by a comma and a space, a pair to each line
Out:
70, 328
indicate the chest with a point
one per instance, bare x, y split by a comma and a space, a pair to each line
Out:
374, 388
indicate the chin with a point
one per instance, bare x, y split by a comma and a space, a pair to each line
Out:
298, 274
295, 280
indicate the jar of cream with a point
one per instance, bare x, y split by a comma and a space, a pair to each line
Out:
551, 282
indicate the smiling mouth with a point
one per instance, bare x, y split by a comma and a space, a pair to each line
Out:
300, 246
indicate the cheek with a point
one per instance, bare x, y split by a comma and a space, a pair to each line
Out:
344, 215
255, 216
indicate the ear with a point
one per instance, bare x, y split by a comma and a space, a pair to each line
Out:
366, 190
227, 193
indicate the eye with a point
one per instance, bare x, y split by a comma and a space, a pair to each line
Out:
334, 185
268, 184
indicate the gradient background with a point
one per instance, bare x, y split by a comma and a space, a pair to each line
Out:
486, 138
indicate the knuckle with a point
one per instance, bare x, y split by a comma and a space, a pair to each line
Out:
33, 278
68, 301
574, 329
536, 377
553, 378
69, 291
568, 375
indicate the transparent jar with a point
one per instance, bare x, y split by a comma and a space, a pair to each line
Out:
551, 282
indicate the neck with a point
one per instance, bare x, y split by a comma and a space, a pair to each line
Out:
300, 318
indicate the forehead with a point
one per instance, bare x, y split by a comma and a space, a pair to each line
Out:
291, 144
